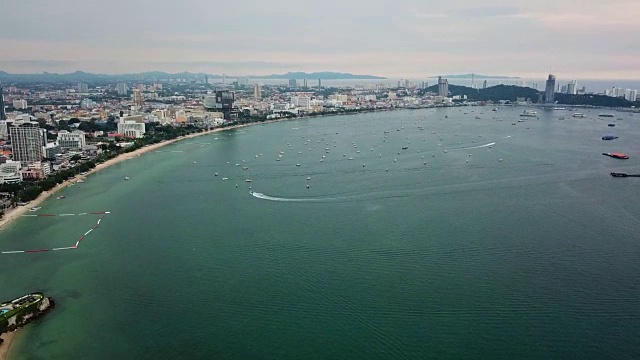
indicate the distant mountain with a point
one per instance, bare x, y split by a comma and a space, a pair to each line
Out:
326, 75
477, 76
81, 76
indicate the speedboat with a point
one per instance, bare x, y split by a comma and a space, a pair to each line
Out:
578, 115
611, 125
615, 174
609, 137
225, 179
247, 180
616, 155
127, 178
606, 115
35, 208
529, 113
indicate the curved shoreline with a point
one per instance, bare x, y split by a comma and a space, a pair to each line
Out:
8, 338
18, 211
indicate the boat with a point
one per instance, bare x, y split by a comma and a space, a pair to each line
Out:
611, 125
559, 108
127, 178
529, 113
615, 174
561, 118
405, 147
578, 115
617, 155
247, 180
216, 174
35, 208
606, 115
224, 179
61, 197
609, 137
298, 165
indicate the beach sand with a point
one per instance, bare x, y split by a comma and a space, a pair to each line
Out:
14, 213
4, 348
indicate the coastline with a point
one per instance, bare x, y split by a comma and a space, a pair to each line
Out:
8, 338
18, 211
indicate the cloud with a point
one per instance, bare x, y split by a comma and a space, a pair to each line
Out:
410, 38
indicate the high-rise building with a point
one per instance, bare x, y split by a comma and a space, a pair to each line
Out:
71, 140
549, 90
293, 84
572, 87
221, 101
303, 102
563, 89
28, 142
137, 98
257, 92
305, 83
83, 88
484, 84
122, 89
3, 114
443, 87
631, 95
319, 83
19, 104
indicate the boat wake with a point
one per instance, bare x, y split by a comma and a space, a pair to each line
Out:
481, 146
272, 198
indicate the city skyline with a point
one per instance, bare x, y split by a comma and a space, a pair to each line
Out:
392, 40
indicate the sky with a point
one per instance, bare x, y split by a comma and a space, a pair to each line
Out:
592, 39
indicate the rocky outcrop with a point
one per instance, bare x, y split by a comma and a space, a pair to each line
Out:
26, 315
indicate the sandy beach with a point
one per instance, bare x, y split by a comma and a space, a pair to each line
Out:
4, 348
14, 213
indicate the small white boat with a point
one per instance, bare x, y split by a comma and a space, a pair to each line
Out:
35, 208
127, 178
298, 165
247, 180
225, 179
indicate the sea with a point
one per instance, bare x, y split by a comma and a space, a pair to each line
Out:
410, 234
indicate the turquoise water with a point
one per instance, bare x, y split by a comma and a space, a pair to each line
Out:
523, 249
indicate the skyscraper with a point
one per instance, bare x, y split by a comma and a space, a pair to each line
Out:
305, 82
3, 115
83, 88
293, 83
137, 98
122, 89
484, 84
28, 142
550, 89
443, 87
319, 83
257, 92
572, 87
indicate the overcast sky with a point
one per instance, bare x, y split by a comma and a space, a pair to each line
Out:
399, 38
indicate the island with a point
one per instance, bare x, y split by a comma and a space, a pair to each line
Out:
21, 311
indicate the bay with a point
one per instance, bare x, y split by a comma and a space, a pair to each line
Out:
452, 247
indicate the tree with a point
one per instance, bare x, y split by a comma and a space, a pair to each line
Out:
76, 157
